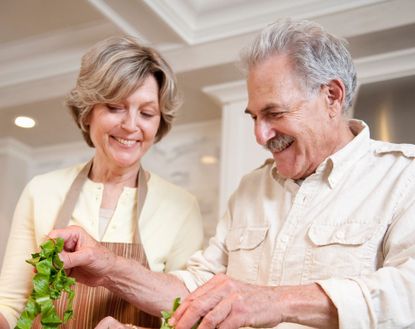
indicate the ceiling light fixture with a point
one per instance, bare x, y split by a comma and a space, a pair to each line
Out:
24, 122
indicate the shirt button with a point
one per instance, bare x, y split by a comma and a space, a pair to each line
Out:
284, 238
241, 238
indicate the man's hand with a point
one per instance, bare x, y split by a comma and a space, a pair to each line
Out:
227, 303
111, 323
83, 256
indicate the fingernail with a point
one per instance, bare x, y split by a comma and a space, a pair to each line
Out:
172, 321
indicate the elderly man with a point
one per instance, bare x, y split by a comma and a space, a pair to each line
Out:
323, 235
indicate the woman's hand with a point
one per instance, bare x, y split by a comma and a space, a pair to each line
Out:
111, 323
85, 258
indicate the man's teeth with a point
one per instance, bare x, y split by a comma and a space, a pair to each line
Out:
125, 141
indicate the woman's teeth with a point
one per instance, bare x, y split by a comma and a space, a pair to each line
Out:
123, 141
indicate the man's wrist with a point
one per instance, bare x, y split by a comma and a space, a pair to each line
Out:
114, 271
307, 305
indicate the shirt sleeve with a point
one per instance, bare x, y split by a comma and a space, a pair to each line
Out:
189, 238
385, 298
16, 274
203, 265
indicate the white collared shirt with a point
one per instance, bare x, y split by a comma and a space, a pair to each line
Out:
350, 227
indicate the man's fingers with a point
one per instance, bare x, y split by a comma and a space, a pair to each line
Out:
109, 323
206, 290
77, 258
195, 308
70, 235
75, 237
217, 315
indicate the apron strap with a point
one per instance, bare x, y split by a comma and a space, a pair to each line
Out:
71, 198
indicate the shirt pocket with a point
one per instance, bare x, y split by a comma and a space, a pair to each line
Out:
245, 247
340, 250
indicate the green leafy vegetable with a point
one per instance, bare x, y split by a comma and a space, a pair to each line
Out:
166, 315
49, 282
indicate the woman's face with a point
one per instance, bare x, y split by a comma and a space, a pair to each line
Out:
123, 132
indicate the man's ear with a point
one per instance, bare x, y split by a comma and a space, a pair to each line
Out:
335, 93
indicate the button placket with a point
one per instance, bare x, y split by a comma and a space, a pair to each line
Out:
299, 206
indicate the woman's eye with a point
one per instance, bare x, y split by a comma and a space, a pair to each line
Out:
147, 114
114, 108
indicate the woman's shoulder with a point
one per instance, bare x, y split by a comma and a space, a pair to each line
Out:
56, 179
160, 187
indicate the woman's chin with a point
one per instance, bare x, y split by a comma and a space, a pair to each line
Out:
125, 162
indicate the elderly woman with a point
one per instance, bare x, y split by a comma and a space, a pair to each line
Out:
124, 101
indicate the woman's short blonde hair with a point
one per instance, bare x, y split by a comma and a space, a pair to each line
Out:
111, 71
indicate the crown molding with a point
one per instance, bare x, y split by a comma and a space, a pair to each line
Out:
48, 55
196, 25
369, 69
12, 147
36, 90
226, 93
386, 66
114, 15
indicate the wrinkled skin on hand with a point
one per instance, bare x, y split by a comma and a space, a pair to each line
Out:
83, 256
227, 303
111, 323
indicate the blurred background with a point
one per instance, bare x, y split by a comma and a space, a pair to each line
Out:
211, 145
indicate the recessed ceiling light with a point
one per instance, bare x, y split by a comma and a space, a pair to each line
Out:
24, 122
208, 159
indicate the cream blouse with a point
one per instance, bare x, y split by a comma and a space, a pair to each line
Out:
170, 226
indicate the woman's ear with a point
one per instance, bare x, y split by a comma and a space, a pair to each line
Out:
335, 93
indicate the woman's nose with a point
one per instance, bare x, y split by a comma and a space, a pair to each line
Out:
129, 121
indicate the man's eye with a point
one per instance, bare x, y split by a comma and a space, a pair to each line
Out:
275, 114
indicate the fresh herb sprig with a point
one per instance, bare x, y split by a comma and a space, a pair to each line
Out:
166, 315
49, 282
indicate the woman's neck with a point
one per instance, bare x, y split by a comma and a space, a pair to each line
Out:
114, 175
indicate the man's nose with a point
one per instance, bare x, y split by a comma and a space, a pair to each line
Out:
263, 132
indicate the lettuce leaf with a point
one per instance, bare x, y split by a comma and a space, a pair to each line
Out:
49, 282
166, 315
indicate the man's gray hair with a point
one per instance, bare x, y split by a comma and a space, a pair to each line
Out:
318, 57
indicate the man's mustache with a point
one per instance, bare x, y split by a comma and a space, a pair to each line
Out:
278, 143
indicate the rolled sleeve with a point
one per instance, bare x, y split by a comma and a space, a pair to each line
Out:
203, 265
350, 301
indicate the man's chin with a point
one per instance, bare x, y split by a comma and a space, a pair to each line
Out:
283, 170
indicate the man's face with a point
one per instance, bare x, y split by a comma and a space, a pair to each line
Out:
296, 127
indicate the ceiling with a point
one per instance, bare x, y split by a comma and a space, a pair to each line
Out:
42, 41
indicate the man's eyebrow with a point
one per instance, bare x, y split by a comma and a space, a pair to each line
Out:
267, 108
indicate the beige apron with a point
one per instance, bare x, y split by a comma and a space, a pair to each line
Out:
92, 304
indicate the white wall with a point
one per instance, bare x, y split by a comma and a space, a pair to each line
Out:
240, 151
177, 158
13, 171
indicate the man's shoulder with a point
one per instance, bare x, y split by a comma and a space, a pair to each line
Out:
381, 148
259, 175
